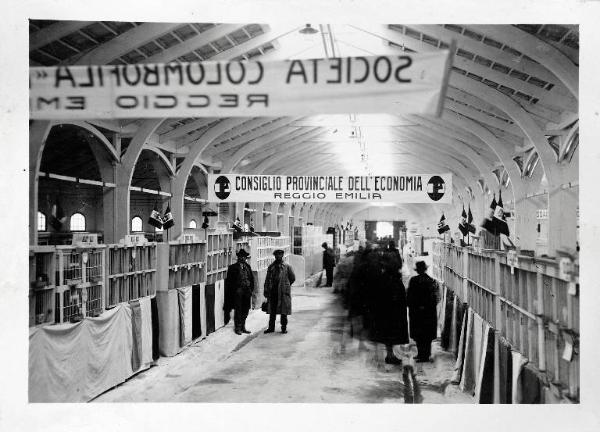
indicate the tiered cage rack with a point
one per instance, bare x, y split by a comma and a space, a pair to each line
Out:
219, 255
131, 272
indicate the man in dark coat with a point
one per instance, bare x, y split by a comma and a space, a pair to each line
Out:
328, 263
278, 291
386, 303
422, 298
239, 285
394, 252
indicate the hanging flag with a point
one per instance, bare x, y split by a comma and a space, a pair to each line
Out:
499, 221
57, 216
442, 225
488, 222
470, 225
251, 225
238, 225
205, 222
155, 219
462, 225
168, 221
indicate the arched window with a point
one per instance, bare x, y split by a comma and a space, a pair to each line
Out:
136, 224
77, 222
41, 222
193, 224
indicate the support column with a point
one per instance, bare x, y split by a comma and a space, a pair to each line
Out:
180, 181
38, 132
124, 174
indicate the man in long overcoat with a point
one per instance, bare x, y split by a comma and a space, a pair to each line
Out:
328, 263
278, 291
386, 303
422, 298
239, 285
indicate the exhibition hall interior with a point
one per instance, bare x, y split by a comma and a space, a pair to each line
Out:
373, 162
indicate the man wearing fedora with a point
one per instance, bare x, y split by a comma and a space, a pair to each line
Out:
422, 298
278, 291
239, 285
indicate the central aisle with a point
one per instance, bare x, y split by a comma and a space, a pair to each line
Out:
317, 361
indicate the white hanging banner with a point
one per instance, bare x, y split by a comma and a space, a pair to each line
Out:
409, 188
406, 83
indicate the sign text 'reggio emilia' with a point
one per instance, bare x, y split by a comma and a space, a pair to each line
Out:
410, 188
407, 83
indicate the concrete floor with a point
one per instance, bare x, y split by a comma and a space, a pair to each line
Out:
317, 361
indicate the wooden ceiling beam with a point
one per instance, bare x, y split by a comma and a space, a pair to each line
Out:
271, 33
125, 42
540, 51
553, 98
279, 153
193, 43
249, 125
186, 128
54, 32
261, 143
482, 117
443, 128
521, 64
281, 122
301, 136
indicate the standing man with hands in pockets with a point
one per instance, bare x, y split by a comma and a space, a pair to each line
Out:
278, 291
239, 285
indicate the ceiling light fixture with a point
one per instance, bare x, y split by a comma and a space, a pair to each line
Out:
308, 30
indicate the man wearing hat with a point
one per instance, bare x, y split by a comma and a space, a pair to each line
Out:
239, 285
422, 298
328, 263
278, 291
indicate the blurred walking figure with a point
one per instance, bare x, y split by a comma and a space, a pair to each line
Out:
278, 291
393, 250
239, 285
328, 263
422, 298
386, 304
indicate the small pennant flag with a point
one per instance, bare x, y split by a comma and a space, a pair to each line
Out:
488, 222
462, 225
499, 221
470, 225
442, 225
238, 225
168, 221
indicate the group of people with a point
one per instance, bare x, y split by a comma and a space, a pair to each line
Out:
375, 296
239, 285
378, 302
